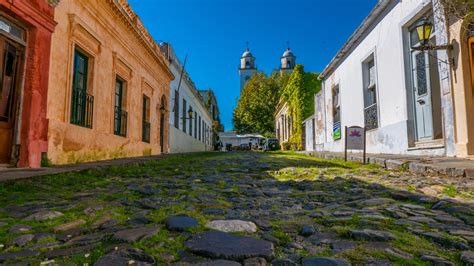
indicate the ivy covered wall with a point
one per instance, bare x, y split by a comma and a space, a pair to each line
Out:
299, 95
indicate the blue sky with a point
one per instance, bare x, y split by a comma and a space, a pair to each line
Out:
214, 33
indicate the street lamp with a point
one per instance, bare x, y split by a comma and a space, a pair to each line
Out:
162, 110
424, 29
190, 114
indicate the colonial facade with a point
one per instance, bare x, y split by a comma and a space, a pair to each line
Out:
190, 121
210, 101
402, 95
283, 123
461, 35
25, 41
109, 85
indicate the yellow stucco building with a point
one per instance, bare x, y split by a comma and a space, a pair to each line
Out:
109, 85
461, 34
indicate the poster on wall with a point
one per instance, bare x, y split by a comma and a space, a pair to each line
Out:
355, 140
336, 131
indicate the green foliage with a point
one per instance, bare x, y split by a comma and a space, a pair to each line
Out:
299, 95
458, 9
286, 146
450, 191
45, 162
255, 108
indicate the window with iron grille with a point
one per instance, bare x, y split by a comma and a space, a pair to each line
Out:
195, 125
176, 109
120, 115
204, 131
336, 110
370, 94
146, 127
82, 105
336, 113
200, 129
184, 116
190, 122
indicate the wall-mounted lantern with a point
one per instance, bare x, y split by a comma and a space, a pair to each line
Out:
162, 110
424, 28
190, 114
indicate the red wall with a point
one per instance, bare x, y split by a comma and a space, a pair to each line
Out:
38, 16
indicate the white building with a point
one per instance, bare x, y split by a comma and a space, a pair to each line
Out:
378, 81
190, 120
309, 133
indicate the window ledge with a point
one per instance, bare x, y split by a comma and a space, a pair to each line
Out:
429, 144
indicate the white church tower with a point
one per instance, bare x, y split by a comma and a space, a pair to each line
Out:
247, 68
288, 61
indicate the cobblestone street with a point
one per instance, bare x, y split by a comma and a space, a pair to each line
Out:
242, 208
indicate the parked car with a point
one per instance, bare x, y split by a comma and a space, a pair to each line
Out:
244, 146
271, 144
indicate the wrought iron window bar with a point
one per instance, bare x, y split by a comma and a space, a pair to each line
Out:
82, 109
146, 131
371, 117
120, 123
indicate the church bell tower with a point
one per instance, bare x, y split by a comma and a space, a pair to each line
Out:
246, 68
288, 61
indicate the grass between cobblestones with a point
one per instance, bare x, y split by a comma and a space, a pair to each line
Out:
106, 189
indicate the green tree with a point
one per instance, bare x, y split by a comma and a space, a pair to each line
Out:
299, 95
257, 103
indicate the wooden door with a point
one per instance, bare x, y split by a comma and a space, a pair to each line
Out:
9, 68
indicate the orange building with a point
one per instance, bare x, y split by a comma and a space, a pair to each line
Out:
109, 85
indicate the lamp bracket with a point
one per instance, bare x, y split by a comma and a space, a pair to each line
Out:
434, 47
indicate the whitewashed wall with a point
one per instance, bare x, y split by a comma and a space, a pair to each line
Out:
179, 141
385, 40
309, 140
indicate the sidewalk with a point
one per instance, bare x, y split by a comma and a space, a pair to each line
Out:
9, 174
454, 167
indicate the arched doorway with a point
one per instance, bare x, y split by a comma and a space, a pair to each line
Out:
162, 123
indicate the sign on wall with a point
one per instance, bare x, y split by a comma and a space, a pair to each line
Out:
355, 140
336, 131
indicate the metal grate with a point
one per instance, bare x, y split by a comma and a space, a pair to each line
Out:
120, 122
371, 117
146, 131
82, 108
